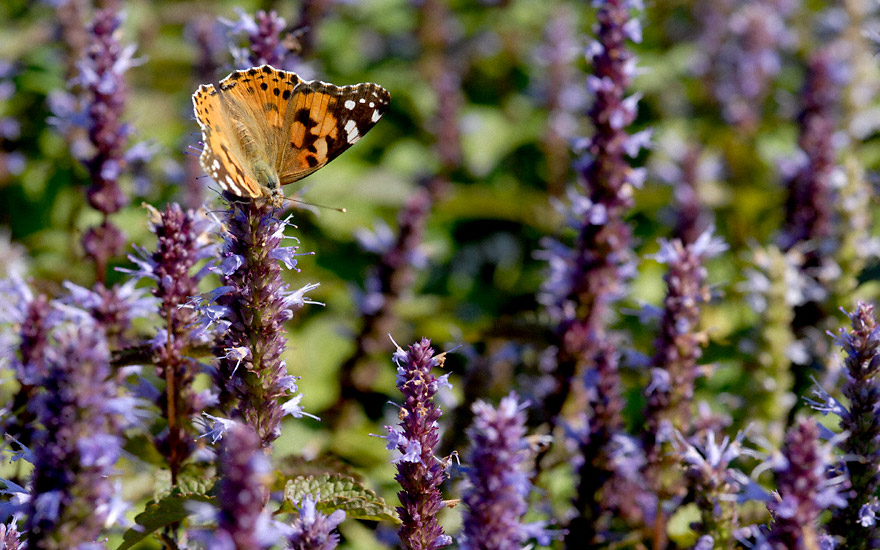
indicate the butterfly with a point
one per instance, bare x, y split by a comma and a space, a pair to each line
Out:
263, 127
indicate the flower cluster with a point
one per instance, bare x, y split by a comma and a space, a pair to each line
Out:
313, 530
263, 35
741, 45
679, 346
585, 279
101, 77
419, 472
714, 483
804, 489
499, 479
244, 471
854, 524
252, 305
72, 495
182, 242
26, 322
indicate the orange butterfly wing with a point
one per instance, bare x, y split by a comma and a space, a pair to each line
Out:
275, 118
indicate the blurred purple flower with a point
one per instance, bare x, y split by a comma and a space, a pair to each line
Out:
242, 521
740, 52
182, 242
715, 485
9, 537
113, 309
72, 496
804, 488
499, 480
264, 41
678, 348
102, 81
313, 530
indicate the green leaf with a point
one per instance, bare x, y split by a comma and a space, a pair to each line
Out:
157, 515
337, 492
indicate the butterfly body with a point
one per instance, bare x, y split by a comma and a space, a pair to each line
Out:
263, 128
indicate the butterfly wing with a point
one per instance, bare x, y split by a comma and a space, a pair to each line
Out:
324, 120
259, 98
221, 158
243, 124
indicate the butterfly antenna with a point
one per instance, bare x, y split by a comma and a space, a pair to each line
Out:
341, 210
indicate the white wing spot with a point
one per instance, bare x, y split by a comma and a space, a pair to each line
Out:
362, 100
349, 104
352, 131
376, 116
372, 104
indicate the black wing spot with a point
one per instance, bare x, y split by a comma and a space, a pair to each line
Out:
252, 71
264, 86
286, 95
304, 117
267, 69
312, 149
311, 161
276, 91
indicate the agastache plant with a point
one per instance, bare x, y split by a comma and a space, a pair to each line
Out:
496, 498
253, 303
855, 525
182, 242
72, 495
674, 366
715, 484
101, 77
804, 489
263, 35
808, 221
584, 280
242, 522
419, 472
313, 530
742, 44
26, 321
401, 252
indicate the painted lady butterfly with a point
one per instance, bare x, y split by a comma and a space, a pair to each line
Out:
266, 128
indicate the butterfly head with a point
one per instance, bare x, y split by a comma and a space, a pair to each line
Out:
269, 182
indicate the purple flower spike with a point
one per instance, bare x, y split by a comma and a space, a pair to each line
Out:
242, 521
101, 78
497, 466
181, 243
72, 494
810, 202
263, 35
804, 489
585, 279
244, 471
419, 473
254, 304
853, 524
679, 347
313, 530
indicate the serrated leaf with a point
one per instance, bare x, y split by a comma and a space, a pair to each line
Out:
337, 492
157, 515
